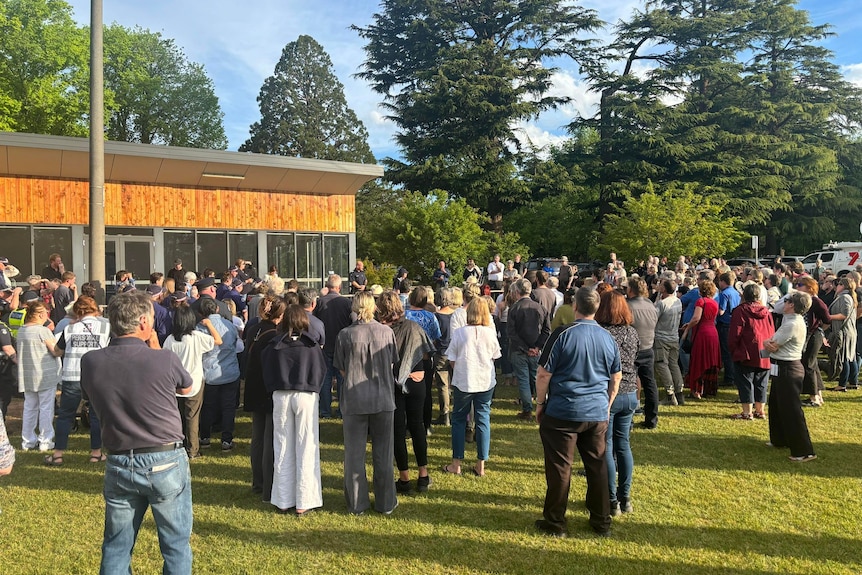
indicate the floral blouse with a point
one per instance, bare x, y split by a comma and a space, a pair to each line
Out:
627, 340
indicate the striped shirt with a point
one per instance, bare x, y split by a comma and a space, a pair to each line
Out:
38, 370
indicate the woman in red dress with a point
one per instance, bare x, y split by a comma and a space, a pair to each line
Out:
702, 376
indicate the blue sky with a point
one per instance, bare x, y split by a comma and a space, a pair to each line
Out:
239, 44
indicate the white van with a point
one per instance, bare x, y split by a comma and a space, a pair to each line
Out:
840, 257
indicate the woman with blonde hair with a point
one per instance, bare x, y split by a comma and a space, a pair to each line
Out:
365, 353
38, 377
472, 352
89, 331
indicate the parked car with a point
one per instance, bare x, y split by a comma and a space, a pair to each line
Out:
536, 264
840, 257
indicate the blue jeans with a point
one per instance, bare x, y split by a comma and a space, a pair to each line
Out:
849, 373
69, 401
481, 404
326, 389
161, 481
618, 447
524, 367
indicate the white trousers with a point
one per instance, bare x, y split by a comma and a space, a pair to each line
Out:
296, 445
38, 412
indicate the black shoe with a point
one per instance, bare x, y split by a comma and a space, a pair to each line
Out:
645, 425
626, 507
603, 532
615, 509
204, 442
226, 445
547, 529
423, 483
403, 487
680, 398
442, 420
639, 411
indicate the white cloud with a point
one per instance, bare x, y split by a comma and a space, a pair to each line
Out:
853, 73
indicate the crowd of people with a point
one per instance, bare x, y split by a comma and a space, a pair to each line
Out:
587, 353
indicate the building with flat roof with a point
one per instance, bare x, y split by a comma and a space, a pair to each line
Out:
162, 203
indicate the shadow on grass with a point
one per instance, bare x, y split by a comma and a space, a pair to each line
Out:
591, 555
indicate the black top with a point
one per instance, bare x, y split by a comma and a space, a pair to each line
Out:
358, 277
529, 325
223, 310
445, 321
293, 363
334, 311
133, 390
255, 396
49, 273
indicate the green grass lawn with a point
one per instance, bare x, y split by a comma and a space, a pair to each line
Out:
709, 498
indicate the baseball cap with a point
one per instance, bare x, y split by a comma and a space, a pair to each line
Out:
4, 260
178, 262
233, 269
178, 296
204, 283
154, 289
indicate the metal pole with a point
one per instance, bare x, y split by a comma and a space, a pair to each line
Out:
97, 152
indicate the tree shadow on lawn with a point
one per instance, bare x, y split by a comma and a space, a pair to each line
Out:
592, 554
744, 453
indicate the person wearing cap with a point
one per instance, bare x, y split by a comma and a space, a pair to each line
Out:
9, 301
177, 272
4, 283
162, 322
227, 290
206, 289
133, 389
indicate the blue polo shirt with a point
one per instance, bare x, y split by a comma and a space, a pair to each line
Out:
728, 298
581, 357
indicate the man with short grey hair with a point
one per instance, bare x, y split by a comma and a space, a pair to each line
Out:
133, 389
334, 311
528, 328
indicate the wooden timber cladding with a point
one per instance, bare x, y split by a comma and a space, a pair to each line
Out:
54, 201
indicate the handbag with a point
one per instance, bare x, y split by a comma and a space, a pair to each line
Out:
687, 343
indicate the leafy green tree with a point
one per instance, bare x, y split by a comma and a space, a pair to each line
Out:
675, 222
304, 112
456, 77
43, 68
158, 96
418, 231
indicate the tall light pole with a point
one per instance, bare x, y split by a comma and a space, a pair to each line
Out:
97, 152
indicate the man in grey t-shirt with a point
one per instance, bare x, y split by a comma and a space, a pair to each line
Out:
645, 319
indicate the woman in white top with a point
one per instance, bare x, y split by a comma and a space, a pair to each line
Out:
190, 345
472, 352
38, 377
787, 427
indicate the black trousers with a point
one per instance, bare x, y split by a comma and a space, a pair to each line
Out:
812, 383
261, 453
559, 439
409, 410
649, 387
8, 388
787, 427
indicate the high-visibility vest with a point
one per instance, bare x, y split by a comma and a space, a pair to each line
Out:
16, 321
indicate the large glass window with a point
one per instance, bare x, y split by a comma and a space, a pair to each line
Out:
180, 245
336, 257
281, 253
309, 259
212, 252
47, 241
15, 245
242, 245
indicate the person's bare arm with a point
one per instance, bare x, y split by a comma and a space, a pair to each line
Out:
613, 387
543, 381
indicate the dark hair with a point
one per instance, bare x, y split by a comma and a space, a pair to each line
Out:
541, 277
184, 321
208, 306
418, 298
295, 320
751, 293
156, 276
88, 289
669, 286
291, 298
614, 310
308, 296
637, 287
271, 307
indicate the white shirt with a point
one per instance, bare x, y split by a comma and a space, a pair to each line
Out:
191, 350
473, 349
495, 271
791, 337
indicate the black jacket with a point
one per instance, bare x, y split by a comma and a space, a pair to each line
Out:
290, 364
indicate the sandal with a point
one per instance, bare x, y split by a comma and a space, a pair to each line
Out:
841, 389
742, 416
476, 473
52, 461
445, 469
98, 458
759, 415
